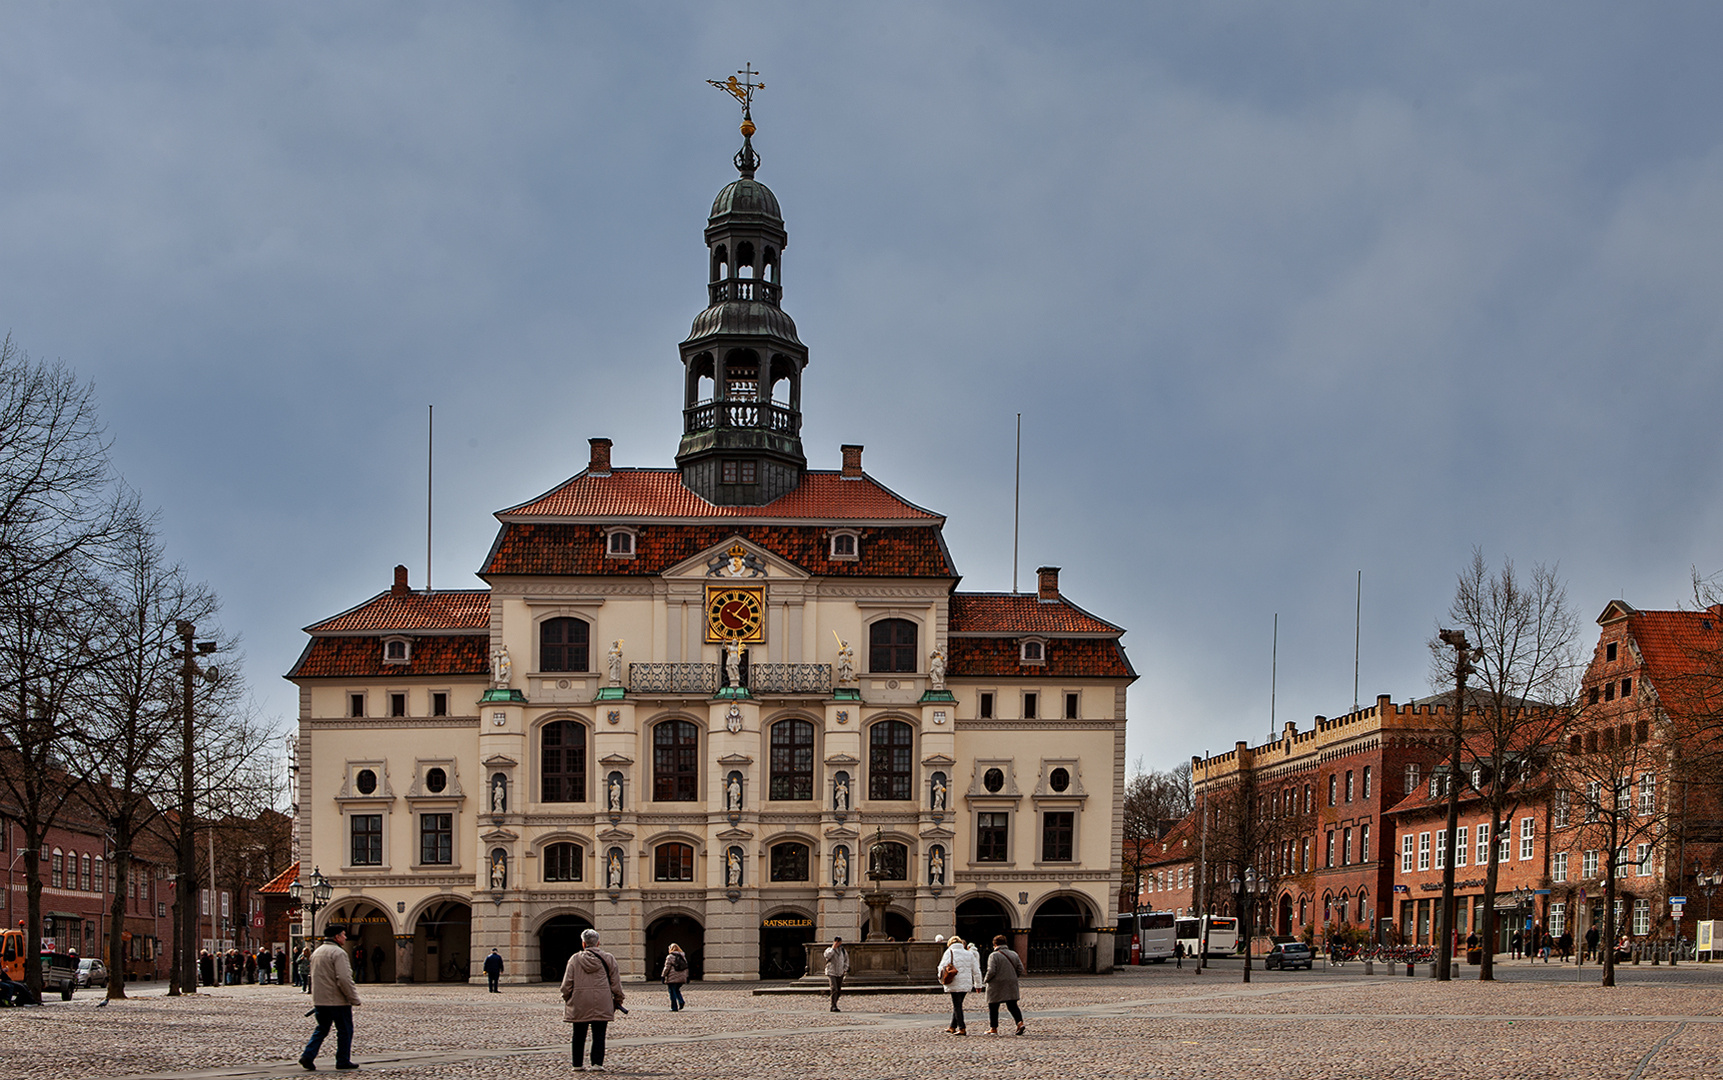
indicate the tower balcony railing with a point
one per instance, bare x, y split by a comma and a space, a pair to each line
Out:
706, 415
744, 289
697, 678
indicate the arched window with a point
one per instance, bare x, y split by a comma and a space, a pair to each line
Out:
675, 763
54, 877
792, 770
84, 875
891, 646
673, 862
101, 881
562, 645
562, 762
1363, 909
720, 262
789, 862
891, 752
563, 862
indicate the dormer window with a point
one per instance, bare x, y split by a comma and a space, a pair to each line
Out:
1032, 651
397, 650
844, 546
619, 542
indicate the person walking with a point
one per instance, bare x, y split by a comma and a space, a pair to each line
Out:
332, 998
1565, 943
837, 966
377, 958
1004, 968
675, 976
960, 972
1590, 949
494, 970
591, 994
1178, 954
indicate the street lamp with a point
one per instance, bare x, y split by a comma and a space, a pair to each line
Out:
1246, 891
321, 891
1707, 884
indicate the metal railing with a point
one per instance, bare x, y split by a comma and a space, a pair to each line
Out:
744, 289
1068, 959
672, 678
706, 415
790, 678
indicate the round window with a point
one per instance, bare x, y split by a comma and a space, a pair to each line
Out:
993, 779
1058, 779
436, 779
366, 781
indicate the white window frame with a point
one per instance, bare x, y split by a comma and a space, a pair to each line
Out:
1642, 865
1558, 918
621, 541
1588, 863
1560, 811
1364, 842
1406, 854
406, 644
1560, 873
1423, 851
1462, 842
1641, 917
1647, 794
833, 543
1528, 837
1441, 850
1483, 851
1032, 645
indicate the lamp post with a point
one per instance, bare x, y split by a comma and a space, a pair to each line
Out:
1245, 890
1707, 885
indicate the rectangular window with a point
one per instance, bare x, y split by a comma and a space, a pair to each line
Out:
203, 897
1609, 651
1643, 864
1626, 688
1641, 908
1029, 706
1483, 843
1406, 854
1348, 785
1647, 793
1304, 854
1411, 778
439, 704
436, 839
1558, 814
1505, 843
1560, 866
397, 704
1461, 845
1058, 829
992, 830
367, 839
1330, 860
1346, 848
1424, 851
986, 706
1364, 843
57, 876
1593, 799
1366, 792
1558, 919
1528, 832
1442, 850
355, 704
1070, 706
1588, 865
1333, 781
224, 911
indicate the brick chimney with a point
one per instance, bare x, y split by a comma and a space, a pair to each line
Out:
852, 461
1048, 587
400, 587
600, 463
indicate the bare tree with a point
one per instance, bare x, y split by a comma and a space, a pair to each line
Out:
1524, 668
1252, 835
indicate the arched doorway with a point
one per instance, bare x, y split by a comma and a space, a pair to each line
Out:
897, 927
784, 938
1283, 924
979, 919
443, 942
683, 930
370, 934
1056, 937
559, 939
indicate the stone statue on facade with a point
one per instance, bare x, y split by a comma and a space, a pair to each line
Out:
733, 662
733, 870
614, 660
840, 868
616, 794
733, 794
499, 871
499, 794
936, 669
841, 794
939, 793
615, 871
846, 662
503, 666
936, 868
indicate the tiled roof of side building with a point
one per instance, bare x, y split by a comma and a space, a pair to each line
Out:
1023, 613
1066, 658
280, 884
362, 657
464, 609
1683, 650
648, 494
571, 548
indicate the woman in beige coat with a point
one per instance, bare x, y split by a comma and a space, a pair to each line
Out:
591, 994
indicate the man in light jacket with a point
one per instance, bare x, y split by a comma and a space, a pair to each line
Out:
332, 999
837, 966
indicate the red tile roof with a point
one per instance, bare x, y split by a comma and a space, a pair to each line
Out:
1067, 658
651, 494
278, 885
362, 657
1022, 613
464, 609
558, 548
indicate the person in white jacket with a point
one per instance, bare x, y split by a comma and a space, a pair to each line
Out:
966, 976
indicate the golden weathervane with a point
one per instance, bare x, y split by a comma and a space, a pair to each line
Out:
742, 90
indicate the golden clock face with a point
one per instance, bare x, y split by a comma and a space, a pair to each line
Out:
735, 613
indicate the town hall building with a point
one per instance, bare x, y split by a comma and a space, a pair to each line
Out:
698, 704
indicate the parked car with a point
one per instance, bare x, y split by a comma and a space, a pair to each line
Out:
92, 972
1289, 954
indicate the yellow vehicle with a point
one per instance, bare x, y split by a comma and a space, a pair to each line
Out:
59, 970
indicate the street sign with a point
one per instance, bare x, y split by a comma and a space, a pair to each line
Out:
1678, 899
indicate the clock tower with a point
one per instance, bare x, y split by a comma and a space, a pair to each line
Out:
742, 391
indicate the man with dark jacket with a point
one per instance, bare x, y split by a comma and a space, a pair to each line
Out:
332, 999
494, 969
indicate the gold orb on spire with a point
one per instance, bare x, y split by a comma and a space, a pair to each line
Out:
747, 129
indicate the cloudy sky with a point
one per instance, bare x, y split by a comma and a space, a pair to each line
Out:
1283, 292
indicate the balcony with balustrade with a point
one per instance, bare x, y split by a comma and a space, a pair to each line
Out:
707, 679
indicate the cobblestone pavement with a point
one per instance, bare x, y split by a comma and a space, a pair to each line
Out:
1146, 1022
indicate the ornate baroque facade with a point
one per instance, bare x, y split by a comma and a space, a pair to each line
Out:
691, 701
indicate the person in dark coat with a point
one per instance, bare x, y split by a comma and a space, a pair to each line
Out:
494, 970
377, 963
676, 976
1590, 949
1004, 968
280, 967
359, 962
206, 967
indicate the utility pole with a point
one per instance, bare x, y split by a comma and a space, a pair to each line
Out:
1456, 640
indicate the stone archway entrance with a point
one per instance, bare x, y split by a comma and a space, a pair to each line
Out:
370, 933
1283, 924
784, 938
443, 943
559, 939
1056, 937
683, 930
980, 919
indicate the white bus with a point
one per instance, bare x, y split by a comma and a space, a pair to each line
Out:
1158, 934
1222, 933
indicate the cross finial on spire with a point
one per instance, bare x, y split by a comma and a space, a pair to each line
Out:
743, 90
